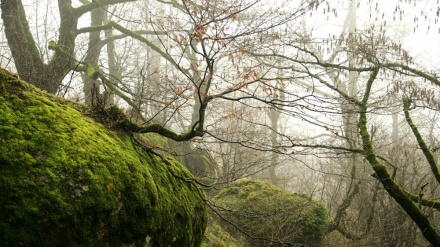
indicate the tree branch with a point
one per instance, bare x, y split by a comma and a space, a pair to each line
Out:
89, 6
146, 41
393, 189
427, 76
429, 156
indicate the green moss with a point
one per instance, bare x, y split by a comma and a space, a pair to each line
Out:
66, 180
197, 160
114, 118
52, 45
92, 72
266, 211
217, 236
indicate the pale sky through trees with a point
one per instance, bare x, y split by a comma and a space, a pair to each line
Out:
405, 24
415, 26
418, 35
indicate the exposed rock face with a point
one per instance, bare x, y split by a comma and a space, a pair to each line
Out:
272, 216
66, 180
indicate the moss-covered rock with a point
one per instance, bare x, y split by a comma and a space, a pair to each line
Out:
66, 180
216, 235
197, 160
272, 216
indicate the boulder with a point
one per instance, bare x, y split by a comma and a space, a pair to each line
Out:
67, 180
269, 215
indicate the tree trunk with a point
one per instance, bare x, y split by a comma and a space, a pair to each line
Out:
27, 58
113, 68
94, 50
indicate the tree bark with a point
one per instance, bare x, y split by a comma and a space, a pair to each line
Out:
28, 61
93, 52
23, 48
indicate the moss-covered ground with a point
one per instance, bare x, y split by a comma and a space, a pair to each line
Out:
66, 180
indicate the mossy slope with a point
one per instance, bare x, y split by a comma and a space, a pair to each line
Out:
197, 160
66, 180
217, 236
272, 216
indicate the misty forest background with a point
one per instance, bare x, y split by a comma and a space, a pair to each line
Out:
336, 100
